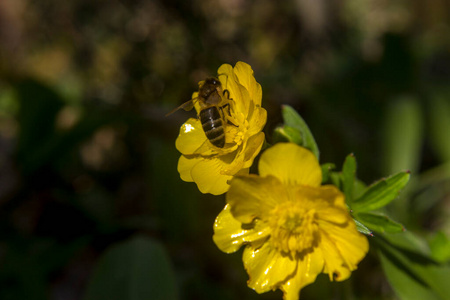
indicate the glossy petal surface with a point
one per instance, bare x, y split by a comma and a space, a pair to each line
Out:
191, 137
266, 267
229, 235
307, 270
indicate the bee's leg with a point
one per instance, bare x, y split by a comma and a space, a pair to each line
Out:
229, 114
231, 123
230, 106
226, 105
228, 94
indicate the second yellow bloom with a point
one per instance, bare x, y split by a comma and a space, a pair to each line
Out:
292, 227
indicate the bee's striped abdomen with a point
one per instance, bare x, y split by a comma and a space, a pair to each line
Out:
213, 126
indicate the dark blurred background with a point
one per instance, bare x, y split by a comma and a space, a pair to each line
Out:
88, 159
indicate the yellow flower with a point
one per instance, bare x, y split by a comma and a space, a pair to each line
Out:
211, 167
293, 228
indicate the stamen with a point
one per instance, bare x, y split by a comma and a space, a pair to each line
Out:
293, 228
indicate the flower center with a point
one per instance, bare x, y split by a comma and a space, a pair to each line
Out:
236, 131
294, 228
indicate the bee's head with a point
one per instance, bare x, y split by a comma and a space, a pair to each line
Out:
212, 81
209, 86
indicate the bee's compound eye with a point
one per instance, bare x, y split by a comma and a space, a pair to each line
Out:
213, 81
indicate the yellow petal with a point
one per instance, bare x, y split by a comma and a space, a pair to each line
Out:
343, 248
266, 267
333, 195
228, 79
208, 176
241, 97
334, 215
223, 72
238, 92
229, 235
291, 164
307, 270
327, 200
252, 196
191, 137
185, 166
252, 148
232, 162
244, 73
256, 120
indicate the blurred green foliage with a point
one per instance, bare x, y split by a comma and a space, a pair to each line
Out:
87, 158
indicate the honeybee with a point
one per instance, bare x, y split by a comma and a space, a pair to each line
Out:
211, 115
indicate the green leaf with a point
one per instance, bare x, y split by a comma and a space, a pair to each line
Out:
379, 222
412, 274
440, 125
403, 134
136, 269
440, 247
348, 177
326, 169
293, 119
405, 285
408, 241
362, 228
287, 134
359, 188
381, 193
335, 178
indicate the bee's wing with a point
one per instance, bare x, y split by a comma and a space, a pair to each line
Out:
187, 106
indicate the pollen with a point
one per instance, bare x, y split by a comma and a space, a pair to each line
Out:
294, 228
236, 129
242, 133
